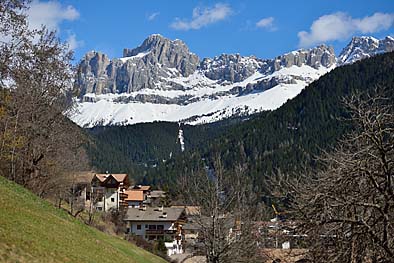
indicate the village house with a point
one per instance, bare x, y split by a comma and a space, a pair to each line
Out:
139, 195
158, 224
191, 228
108, 191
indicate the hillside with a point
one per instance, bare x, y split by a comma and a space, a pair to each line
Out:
32, 230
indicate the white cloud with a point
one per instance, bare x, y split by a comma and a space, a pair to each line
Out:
267, 23
72, 41
50, 14
203, 17
152, 16
340, 26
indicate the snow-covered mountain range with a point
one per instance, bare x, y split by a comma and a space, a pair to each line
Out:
162, 80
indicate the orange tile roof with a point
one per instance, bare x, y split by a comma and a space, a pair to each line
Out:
118, 177
101, 177
134, 195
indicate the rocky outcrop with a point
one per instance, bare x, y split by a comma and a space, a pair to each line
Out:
233, 67
315, 57
263, 85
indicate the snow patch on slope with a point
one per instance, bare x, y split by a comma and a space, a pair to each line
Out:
139, 55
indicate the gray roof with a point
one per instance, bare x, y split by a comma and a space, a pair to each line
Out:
157, 193
152, 214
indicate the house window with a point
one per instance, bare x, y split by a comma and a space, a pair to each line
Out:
146, 226
138, 227
160, 227
152, 227
112, 199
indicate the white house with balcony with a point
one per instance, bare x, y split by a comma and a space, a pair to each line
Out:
107, 191
158, 224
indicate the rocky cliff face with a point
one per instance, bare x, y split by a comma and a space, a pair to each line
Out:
146, 66
161, 51
162, 80
92, 76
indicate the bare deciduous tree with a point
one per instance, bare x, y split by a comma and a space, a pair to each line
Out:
347, 209
35, 87
227, 212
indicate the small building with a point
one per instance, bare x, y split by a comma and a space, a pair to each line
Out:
146, 189
156, 197
158, 224
134, 199
108, 191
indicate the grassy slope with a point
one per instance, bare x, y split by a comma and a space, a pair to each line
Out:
32, 230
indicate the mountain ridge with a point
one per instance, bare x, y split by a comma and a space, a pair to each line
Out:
161, 80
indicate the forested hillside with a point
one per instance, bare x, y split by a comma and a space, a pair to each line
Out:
286, 140
135, 148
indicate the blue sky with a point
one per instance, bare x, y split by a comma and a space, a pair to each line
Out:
249, 27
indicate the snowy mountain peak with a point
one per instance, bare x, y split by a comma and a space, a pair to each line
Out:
389, 38
156, 43
364, 47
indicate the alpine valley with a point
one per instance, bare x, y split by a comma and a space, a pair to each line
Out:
161, 80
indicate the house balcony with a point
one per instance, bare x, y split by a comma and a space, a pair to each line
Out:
159, 232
